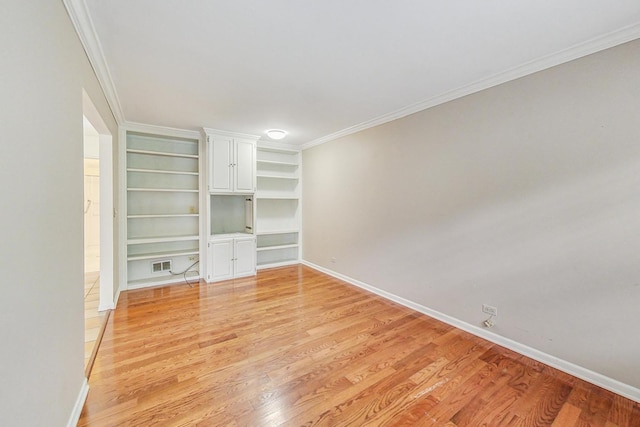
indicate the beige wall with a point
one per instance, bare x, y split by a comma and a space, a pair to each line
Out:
525, 196
44, 70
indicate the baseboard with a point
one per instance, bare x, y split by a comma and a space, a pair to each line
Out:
117, 297
592, 377
77, 408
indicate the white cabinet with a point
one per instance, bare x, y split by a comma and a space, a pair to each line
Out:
231, 163
231, 257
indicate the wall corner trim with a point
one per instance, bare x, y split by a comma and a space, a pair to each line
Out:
600, 380
83, 24
77, 408
597, 44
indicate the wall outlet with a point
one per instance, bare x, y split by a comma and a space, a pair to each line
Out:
489, 309
192, 258
333, 260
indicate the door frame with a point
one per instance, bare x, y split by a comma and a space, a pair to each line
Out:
107, 213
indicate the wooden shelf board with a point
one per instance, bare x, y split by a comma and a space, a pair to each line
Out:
277, 196
161, 239
162, 153
278, 162
276, 176
278, 150
276, 247
282, 231
153, 255
163, 190
161, 280
278, 264
162, 171
162, 216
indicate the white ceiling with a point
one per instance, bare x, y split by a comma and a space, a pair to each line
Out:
323, 68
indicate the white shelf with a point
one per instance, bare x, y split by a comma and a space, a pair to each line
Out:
162, 171
277, 175
278, 162
278, 264
275, 247
162, 201
282, 231
277, 195
162, 216
279, 150
193, 276
153, 255
229, 236
162, 153
163, 190
161, 239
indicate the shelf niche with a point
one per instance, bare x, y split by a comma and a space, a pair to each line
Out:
231, 214
162, 206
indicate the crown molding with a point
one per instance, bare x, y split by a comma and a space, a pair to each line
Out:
230, 134
81, 20
580, 50
161, 130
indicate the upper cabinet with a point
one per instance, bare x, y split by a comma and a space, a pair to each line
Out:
231, 162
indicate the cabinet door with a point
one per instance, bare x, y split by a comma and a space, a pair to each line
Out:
220, 164
244, 166
220, 260
245, 257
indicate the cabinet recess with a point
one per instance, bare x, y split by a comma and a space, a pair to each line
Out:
162, 206
278, 206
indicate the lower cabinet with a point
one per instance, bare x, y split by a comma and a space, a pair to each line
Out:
231, 257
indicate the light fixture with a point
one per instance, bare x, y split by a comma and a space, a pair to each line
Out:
276, 133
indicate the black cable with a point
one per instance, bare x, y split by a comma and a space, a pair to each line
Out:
184, 274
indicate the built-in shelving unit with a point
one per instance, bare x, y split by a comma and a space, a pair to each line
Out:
163, 187
278, 206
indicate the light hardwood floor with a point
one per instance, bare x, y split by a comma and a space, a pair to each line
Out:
293, 346
93, 319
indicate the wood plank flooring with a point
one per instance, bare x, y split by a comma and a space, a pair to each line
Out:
295, 347
93, 319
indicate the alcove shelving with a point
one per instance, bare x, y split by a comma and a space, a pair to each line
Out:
162, 207
278, 206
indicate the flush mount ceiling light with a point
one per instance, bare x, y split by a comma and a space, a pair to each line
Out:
276, 133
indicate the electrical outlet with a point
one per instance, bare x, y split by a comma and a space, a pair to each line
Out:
489, 309
192, 258
333, 260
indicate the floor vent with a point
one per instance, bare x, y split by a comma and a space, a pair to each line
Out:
160, 266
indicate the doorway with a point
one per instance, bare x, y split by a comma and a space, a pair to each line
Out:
93, 319
99, 295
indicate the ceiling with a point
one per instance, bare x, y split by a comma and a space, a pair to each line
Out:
321, 69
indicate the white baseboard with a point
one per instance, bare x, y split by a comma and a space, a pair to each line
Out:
600, 380
77, 408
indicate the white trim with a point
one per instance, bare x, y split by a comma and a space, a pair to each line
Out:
603, 381
77, 408
107, 213
162, 130
278, 264
122, 215
279, 146
588, 47
228, 134
81, 20
107, 218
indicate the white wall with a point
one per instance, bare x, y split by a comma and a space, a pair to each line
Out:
44, 69
525, 196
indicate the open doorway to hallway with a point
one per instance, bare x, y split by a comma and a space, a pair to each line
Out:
99, 223
93, 319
